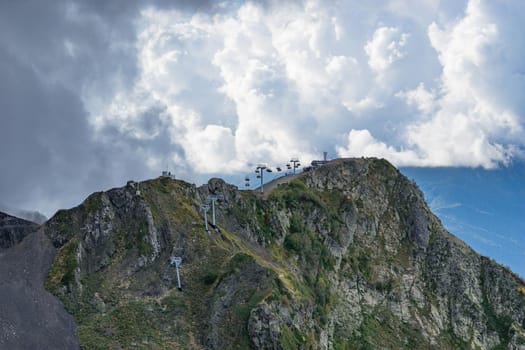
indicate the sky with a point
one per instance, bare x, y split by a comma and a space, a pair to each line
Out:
95, 93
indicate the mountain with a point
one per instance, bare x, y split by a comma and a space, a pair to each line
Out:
347, 256
30, 317
33, 216
13, 230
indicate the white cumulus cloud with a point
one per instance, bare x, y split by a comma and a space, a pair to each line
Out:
470, 117
247, 83
385, 48
362, 143
420, 98
470, 126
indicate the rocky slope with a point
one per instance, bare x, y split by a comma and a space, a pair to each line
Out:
347, 256
30, 317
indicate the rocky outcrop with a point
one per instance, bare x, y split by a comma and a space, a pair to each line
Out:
345, 256
13, 230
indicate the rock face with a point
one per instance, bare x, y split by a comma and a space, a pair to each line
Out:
13, 230
30, 317
347, 256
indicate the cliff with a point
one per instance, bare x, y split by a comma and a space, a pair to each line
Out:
346, 256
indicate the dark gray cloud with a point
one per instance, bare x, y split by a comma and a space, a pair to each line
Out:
49, 53
43, 137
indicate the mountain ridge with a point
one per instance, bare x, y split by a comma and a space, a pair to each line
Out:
13, 230
28, 215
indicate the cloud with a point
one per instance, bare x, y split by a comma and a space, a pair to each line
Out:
471, 117
361, 143
276, 80
385, 48
263, 77
52, 56
438, 204
419, 97
33, 135
251, 77
470, 126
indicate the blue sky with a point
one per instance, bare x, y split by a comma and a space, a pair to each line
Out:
94, 93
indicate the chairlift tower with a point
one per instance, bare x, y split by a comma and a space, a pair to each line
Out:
260, 173
213, 198
205, 208
176, 260
294, 163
